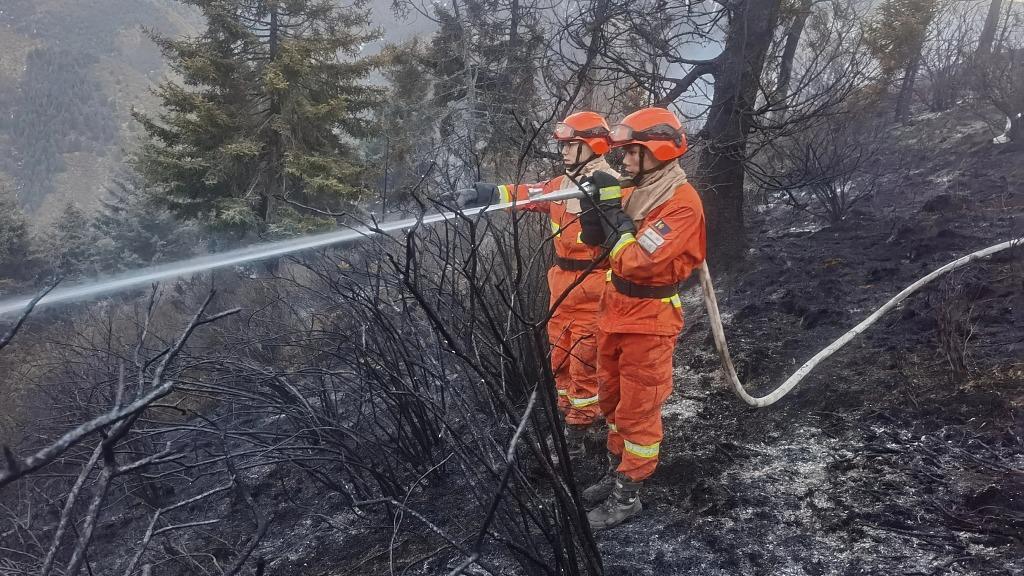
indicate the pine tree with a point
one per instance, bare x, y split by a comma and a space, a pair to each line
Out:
484, 61
896, 37
14, 240
405, 149
266, 114
70, 246
134, 231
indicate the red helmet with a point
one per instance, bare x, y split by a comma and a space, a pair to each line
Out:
656, 129
588, 127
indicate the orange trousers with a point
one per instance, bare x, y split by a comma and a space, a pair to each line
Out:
572, 332
635, 375
574, 363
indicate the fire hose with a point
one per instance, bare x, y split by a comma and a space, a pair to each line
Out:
718, 332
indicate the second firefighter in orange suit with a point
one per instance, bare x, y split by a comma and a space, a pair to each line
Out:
656, 238
583, 141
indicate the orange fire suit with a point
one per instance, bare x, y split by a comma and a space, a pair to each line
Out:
573, 324
637, 333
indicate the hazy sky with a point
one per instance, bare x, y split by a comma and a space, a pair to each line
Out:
399, 29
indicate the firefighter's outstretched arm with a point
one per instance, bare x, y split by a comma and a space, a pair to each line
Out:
487, 193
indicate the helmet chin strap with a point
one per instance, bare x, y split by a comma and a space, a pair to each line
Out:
578, 164
643, 171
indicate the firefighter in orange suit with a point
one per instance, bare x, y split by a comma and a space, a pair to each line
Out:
583, 141
656, 237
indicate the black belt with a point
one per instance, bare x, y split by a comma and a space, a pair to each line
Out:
570, 265
640, 291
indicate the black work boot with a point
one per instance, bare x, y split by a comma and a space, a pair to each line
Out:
576, 440
600, 491
621, 505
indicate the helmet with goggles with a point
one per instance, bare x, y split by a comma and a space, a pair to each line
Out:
588, 127
656, 129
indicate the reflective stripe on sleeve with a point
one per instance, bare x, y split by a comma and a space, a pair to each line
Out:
506, 195
555, 228
625, 240
610, 193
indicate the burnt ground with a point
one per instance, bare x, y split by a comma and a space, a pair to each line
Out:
884, 460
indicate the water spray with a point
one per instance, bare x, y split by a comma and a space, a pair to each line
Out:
185, 268
269, 250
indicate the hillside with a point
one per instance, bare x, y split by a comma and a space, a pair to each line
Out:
70, 73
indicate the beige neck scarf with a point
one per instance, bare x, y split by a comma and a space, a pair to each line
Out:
654, 189
572, 206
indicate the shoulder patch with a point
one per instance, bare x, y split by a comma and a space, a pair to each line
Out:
661, 227
650, 240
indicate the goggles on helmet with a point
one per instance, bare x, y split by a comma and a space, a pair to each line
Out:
565, 132
622, 134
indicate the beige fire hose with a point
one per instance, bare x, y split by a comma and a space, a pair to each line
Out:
760, 402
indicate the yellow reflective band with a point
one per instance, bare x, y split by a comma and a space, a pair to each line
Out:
625, 240
506, 196
563, 392
649, 451
613, 427
611, 192
556, 229
607, 275
579, 238
583, 402
674, 300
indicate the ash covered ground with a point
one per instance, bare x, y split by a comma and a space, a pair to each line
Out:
881, 462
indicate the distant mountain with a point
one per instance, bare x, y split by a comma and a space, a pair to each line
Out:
70, 72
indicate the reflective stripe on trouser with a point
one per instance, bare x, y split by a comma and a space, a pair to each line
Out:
563, 397
574, 363
635, 374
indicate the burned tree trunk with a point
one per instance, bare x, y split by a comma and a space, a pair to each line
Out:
906, 95
730, 120
789, 50
275, 171
988, 32
1000, 77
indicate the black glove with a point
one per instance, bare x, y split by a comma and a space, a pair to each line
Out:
604, 222
481, 194
461, 198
